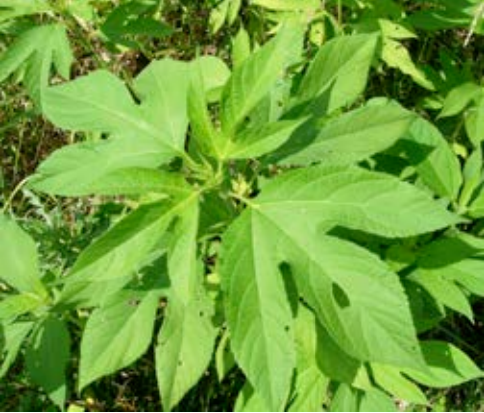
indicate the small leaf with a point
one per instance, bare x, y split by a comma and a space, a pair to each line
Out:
433, 158
253, 79
13, 338
448, 366
458, 99
18, 255
390, 379
349, 138
117, 334
47, 356
35, 52
396, 55
338, 74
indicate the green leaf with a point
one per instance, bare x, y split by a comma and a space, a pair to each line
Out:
14, 306
459, 98
261, 335
254, 78
255, 142
123, 250
474, 121
396, 55
187, 337
338, 74
390, 379
287, 5
10, 9
162, 88
13, 338
36, 52
184, 348
351, 137
375, 400
457, 259
433, 158
354, 198
113, 167
340, 281
249, 401
100, 102
47, 356
134, 18
240, 47
345, 399
448, 366
444, 291
348, 399
117, 334
310, 383
18, 255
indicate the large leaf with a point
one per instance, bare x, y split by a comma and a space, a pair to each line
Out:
18, 255
100, 102
184, 348
354, 198
186, 339
127, 247
349, 138
338, 73
36, 52
117, 334
261, 334
47, 356
448, 366
333, 276
433, 158
113, 167
255, 77
340, 281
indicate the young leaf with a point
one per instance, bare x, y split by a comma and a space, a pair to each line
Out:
253, 79
18, 255
433, 158
338, 74
255, 142
117, 334
349, 138
448, 366
47, 356
37, 51
287, 5
13, 337
13, 306
118, 166
395, 55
